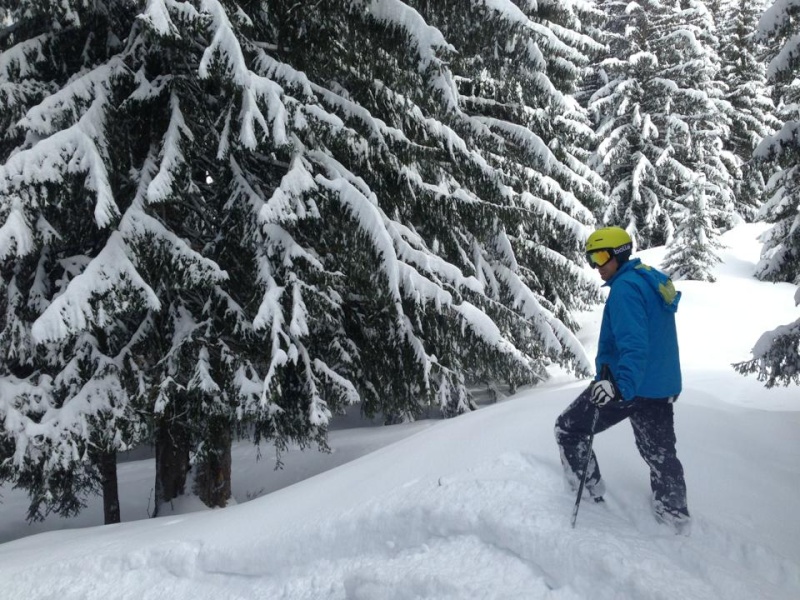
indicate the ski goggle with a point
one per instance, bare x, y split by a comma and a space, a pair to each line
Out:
598, 258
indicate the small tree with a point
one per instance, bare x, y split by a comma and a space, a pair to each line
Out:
692, 252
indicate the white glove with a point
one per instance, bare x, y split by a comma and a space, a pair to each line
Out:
603, 392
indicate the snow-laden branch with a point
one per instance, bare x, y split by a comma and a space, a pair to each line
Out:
107, 273
261, 88
16, 236
287, 203
642, 169
70, 151
404, 279
399, 14
147, 90
487, 331
578, 40
553, 333
138, 227
16, 397
420, 259
156, 15
202, 379
224, 43
57, 434
368, 215
378, 130
19, 56
537, 148
779, 142
270, 317
578, 229
426, 38
345, 385
66, 105
777, 15
172, 158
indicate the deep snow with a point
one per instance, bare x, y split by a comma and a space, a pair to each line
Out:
475, 507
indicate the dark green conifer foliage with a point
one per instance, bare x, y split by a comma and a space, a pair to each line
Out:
245, 217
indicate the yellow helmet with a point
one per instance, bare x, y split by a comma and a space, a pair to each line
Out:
613, 239
608, 238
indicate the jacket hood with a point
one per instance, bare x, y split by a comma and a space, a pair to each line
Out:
660, 282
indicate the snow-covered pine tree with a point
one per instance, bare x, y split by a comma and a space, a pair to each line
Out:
776, 358
752, 110
692, 252
702, 103
476, 206
708, 193
280, 212
516, 66
780, 260
658, 118
630, 108
66, 409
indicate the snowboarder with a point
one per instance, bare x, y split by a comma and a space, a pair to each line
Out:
639, 344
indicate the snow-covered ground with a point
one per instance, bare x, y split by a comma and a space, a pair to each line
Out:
475, 507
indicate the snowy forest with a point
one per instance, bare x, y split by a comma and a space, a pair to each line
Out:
224, 220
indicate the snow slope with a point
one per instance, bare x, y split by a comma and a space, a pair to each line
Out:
475, 507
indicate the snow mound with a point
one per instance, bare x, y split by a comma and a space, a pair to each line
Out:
497, 530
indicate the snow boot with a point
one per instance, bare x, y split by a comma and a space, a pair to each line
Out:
596, 493
677, 519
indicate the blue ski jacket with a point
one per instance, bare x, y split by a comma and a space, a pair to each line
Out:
638, 339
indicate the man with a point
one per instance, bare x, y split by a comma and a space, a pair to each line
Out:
639, 377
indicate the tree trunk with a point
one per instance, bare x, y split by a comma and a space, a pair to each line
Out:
107, 465
212, 482
172, 461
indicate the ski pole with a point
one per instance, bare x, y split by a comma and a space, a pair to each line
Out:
604, 374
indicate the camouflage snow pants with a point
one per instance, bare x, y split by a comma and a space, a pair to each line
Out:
654, 431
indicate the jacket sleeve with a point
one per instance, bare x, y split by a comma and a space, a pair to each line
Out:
628, 320
606, 353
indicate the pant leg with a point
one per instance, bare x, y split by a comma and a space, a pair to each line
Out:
573, 430
654, 430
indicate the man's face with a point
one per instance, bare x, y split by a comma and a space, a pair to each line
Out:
608, 270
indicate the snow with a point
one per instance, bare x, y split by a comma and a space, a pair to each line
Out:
19, 56
16, 237
157, 16
474, 507
426, 37
225, 44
